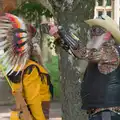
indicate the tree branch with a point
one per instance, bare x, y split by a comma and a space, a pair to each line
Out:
46, 4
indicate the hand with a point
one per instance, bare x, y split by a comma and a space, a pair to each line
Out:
53, 29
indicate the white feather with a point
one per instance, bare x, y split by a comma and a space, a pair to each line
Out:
5, 25
3, 20
10, 66
16, 64
4, 63
24, 35
20, 68
23, 62
3, 35
13, 64
3, 31
4, 55
22, 23
4, 46
3, 43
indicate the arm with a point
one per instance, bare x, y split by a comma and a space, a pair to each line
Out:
69, 42
107, 56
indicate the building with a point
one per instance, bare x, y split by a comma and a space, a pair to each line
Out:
108, 7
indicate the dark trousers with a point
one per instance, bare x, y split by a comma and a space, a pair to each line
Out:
105, 115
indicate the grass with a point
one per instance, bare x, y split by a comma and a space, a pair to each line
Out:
54, 72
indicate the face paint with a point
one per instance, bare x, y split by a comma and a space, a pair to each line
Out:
96, 41
107, 36
97, 31
98, 36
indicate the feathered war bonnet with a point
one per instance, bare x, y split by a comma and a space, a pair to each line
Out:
14, 41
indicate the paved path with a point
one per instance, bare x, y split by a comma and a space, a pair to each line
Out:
55, 112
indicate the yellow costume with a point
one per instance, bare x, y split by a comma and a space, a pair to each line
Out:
35, 90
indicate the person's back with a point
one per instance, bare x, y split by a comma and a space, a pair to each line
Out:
37, 72
35, 88
99, 90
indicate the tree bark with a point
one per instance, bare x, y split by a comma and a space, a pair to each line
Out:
71, 15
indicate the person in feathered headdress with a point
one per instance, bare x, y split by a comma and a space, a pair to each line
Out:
30, 81
101, 83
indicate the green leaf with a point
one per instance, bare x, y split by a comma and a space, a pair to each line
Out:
32, 11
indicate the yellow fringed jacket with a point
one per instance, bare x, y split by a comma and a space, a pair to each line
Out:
35, 87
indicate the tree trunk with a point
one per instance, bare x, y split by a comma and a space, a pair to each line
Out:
71, 14
46, 52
